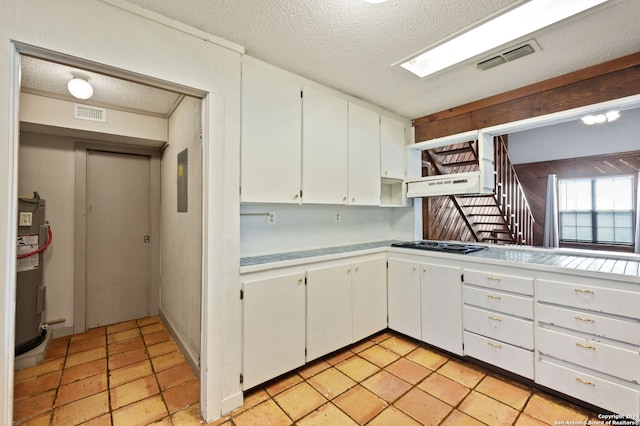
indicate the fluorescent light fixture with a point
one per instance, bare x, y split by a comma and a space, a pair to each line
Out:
80, 88
601, 118
505, 28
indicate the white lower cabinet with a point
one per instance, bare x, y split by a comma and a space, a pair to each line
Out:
588, 340
441, 306
273, 326
425, 302
329, 311
369, 297
403, 277
498, 319
346, 302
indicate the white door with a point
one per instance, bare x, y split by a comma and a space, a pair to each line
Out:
324, 148
329, 310
369, 294
273, 327
364, 156
117, 251
404, 297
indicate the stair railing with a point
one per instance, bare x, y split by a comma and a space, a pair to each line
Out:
511, 197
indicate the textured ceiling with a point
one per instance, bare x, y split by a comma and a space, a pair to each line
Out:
50, 79
350, 45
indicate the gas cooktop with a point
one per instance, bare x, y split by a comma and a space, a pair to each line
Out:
439, 246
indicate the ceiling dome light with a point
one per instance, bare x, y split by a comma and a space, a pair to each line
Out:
80, 88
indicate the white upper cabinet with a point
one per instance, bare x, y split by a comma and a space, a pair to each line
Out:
364, 156
392, 148
271, 135
324, 147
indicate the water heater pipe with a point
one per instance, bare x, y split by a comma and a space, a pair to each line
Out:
43, 247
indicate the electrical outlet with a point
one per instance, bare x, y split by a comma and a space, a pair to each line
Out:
338, 217
271, 218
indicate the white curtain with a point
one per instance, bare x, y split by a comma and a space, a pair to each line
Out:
551, 237
637, 236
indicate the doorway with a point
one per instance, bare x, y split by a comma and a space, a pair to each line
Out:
118, 238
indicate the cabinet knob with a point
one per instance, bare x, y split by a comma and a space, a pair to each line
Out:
424, 269
344, 199
300, 280
356, 269
348, 270
414, 268
295, 196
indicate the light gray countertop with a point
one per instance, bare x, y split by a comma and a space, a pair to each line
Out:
577, 260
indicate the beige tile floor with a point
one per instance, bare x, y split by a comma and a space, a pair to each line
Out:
132, 373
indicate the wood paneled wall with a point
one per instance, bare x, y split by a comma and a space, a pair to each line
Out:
607, 81
604, 82
533, 177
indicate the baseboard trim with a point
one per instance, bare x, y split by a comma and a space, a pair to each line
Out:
192, 358
231, 402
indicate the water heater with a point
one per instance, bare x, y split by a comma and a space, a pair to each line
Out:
34, 236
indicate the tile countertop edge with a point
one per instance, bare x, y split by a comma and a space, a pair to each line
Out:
379, 247
475, 258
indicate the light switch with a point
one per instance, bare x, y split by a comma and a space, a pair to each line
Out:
25, 219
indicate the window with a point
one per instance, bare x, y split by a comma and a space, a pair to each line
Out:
597, 210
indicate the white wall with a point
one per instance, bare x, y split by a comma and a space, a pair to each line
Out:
47, 165
121, 37
574, 139
181, 232
302, 227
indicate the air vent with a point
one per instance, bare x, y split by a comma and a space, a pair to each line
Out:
508, 55
86, 112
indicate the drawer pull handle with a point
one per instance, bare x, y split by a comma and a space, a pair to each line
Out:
495, 345
580, 290
490, 278
582, 345
585, 319
586, 382
491, 296
491, 317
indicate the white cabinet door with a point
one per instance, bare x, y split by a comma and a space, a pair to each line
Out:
403, 280
441, 296
369, 291
364, 156
329, 310
273, 327
392, 148
271, 135
324, 148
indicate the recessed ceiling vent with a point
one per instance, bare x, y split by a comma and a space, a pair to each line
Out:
91, 113
508, 55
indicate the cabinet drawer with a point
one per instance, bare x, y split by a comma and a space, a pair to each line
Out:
516, 331
511, 358
502, 302
613, 360
613, 328
601, 299
503, 282
595, 390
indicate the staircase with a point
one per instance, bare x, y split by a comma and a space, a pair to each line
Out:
503, 217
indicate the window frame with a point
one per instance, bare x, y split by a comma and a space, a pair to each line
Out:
594, 243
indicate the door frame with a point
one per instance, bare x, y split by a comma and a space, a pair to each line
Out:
80, 227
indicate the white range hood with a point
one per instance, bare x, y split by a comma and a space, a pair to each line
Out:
481, 181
